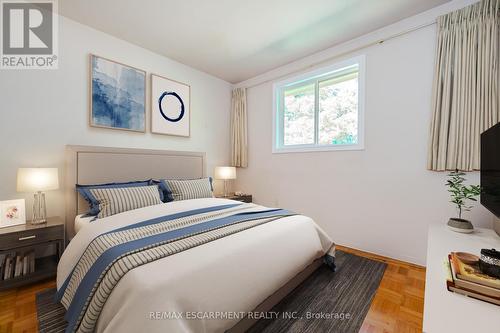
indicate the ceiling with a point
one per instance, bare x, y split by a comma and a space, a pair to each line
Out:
239, 39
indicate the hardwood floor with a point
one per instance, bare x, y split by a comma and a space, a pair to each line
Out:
398, 305
18, 310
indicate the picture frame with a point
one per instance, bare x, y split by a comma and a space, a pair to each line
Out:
170, 107
13, 212
109, 79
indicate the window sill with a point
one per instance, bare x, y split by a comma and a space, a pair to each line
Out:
312, 149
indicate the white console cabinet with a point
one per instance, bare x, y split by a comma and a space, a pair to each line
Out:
445, 311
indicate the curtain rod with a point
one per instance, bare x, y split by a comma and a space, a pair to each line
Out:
380, 41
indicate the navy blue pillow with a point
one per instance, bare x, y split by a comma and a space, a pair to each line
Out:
166, 193
94, 203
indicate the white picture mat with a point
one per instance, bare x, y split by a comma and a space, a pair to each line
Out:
170, 107
9, 217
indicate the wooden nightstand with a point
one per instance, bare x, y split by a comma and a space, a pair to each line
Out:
243, 198
41, 244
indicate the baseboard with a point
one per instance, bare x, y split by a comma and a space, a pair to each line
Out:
376, 256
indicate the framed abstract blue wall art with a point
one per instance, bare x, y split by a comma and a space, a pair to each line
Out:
117, 95
170, 107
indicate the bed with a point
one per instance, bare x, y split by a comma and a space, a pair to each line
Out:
213, 286
81, 221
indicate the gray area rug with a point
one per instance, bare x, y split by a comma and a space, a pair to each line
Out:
50, 314
324, 302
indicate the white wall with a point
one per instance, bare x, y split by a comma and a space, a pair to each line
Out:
41, 111
381, 199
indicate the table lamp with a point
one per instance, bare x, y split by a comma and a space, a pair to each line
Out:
37, 180
225, 173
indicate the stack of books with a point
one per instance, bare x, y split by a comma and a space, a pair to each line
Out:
468, 280
13, 265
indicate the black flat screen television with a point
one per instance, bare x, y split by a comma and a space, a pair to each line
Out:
490, 169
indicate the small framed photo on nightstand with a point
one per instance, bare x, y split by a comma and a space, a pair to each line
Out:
13, 213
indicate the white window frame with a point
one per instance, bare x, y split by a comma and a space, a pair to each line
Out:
319, 74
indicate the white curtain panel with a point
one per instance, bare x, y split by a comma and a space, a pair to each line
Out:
239, 141
465, 92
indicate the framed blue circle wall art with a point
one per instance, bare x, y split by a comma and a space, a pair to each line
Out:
171, 94
170, 106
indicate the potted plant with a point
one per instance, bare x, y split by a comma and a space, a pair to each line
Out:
460, 194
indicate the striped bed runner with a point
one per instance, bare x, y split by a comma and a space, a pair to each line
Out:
111, 255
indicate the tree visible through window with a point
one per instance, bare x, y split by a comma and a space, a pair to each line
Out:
319, 111
338, 111
299, 115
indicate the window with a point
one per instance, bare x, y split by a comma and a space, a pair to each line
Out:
322, 110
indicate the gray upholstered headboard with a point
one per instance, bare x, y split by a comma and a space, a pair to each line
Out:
95, 165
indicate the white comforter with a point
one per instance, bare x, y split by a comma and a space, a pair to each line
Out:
233, 274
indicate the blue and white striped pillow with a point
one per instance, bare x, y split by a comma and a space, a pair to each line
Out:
121, 199
187, 189
84, 191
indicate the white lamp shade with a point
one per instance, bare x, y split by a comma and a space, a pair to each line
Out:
37, 179
225, 172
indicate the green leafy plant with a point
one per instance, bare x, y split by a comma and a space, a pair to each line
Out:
461, 193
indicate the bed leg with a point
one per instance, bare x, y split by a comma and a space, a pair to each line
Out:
329, 260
